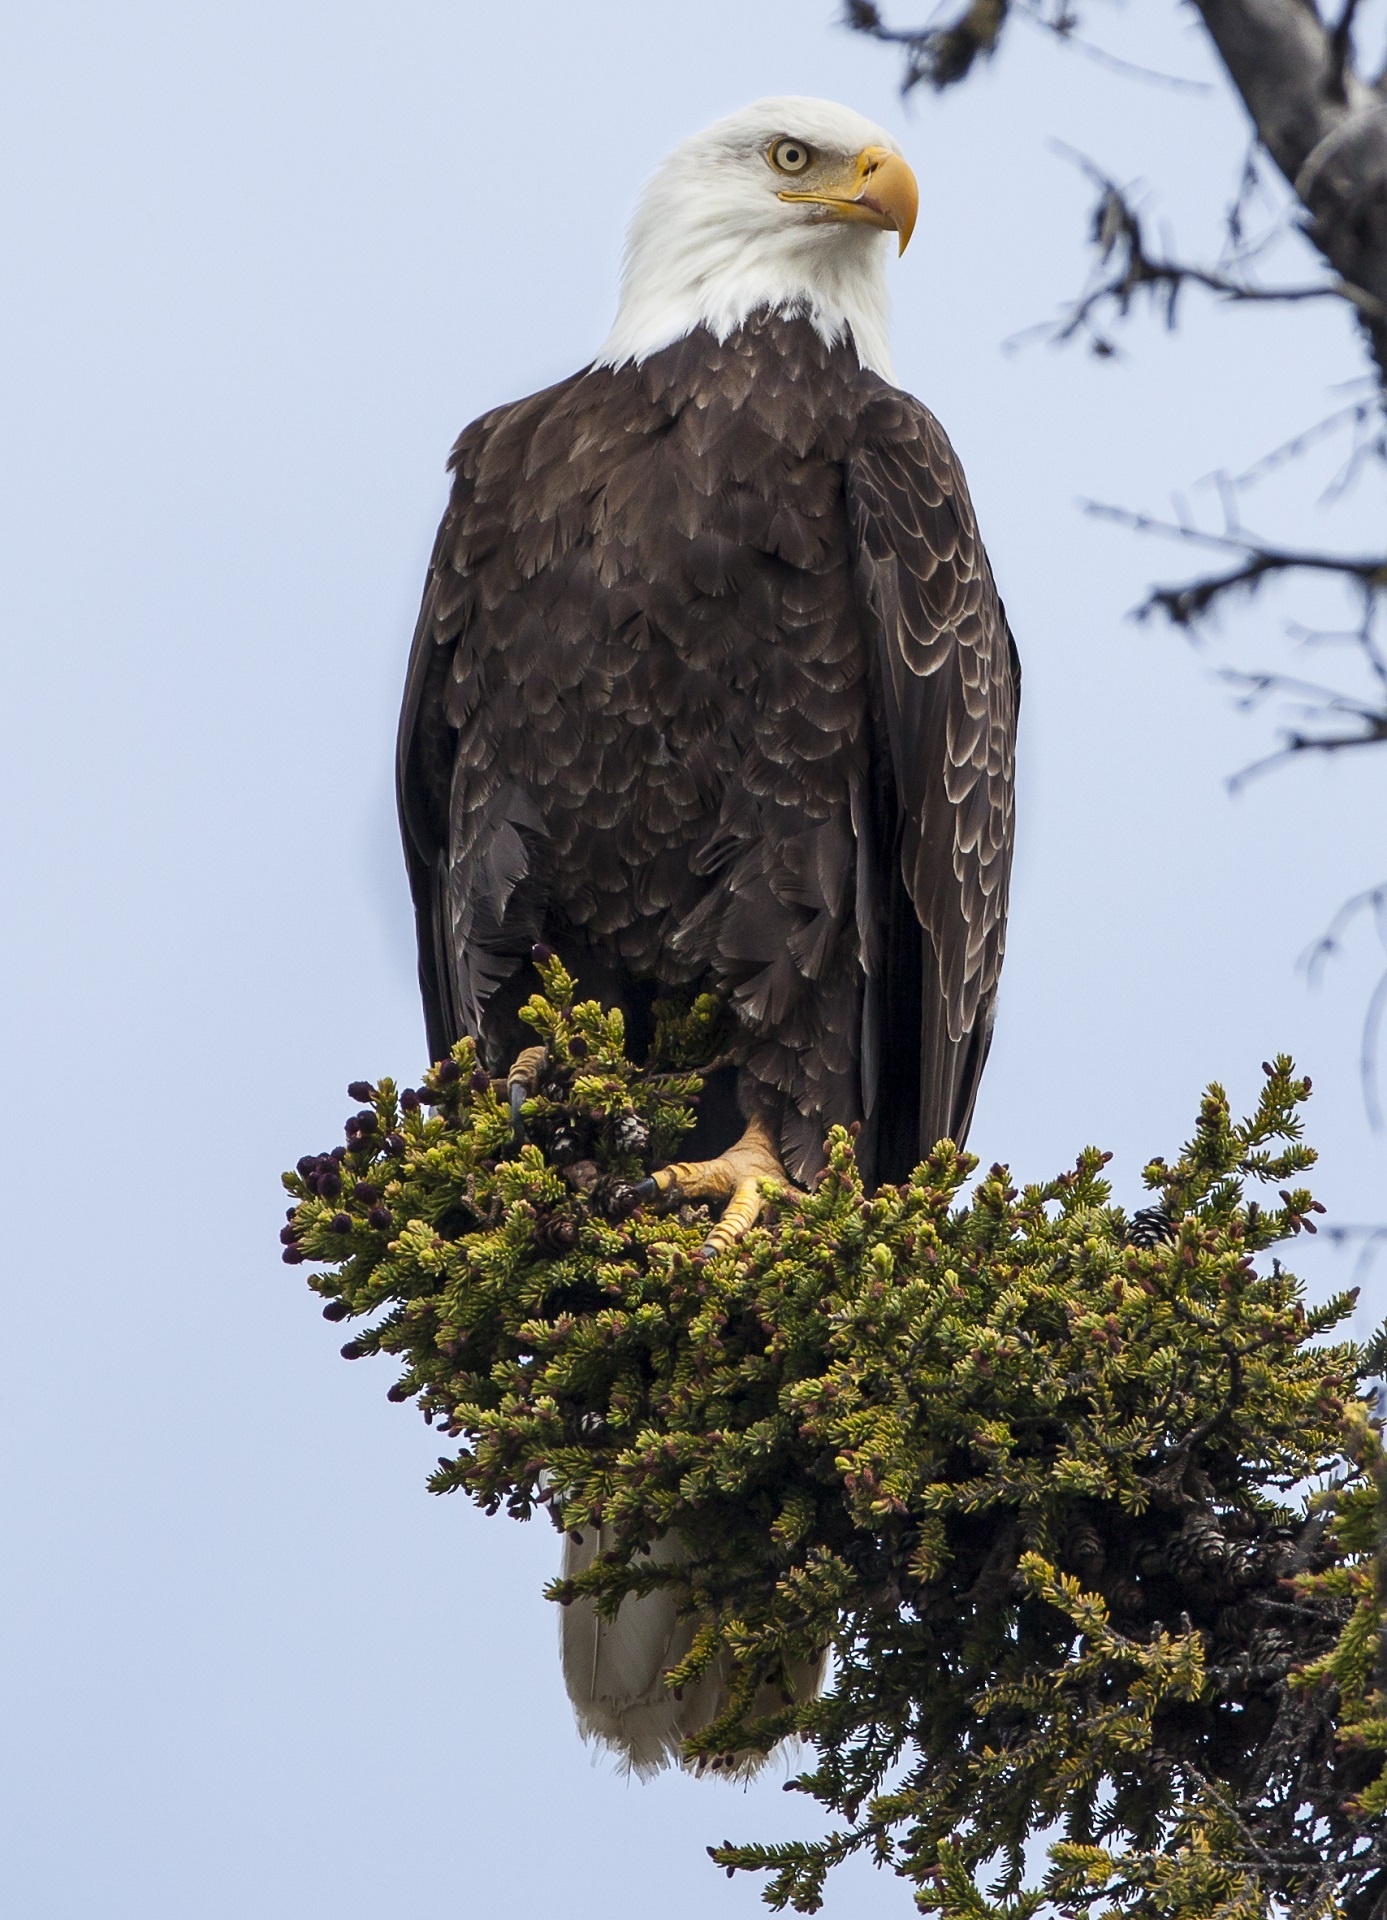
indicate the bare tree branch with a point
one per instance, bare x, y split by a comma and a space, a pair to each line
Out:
1129, 269
1186, 604
1323, 703
1239, 246
946, 55
1372, 905
1062, 23
941, 55
1367, 423
1332, 720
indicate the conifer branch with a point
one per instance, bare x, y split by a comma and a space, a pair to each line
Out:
1031, 1468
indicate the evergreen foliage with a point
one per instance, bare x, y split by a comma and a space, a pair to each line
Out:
1089, 1514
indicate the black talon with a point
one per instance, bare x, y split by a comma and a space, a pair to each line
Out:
518, 1097
644, 1190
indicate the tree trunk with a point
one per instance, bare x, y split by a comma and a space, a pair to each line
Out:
1325, 128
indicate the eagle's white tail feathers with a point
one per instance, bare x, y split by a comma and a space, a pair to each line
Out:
614, 1670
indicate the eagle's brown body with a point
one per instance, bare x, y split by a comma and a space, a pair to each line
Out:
712, 686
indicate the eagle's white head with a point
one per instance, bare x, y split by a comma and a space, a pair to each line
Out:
785, 205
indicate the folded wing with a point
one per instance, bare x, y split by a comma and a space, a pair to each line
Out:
946, 697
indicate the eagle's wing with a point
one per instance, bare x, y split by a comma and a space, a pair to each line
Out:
469, 843
947, 693
422, 778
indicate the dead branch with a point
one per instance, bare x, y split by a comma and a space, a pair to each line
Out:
940, 55
1332, 720
945, 55
1364, 419
1129, 269
1193, 600
1321, 703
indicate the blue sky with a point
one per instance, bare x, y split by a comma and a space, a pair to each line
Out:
262, 263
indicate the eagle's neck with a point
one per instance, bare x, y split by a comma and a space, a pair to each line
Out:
704, 271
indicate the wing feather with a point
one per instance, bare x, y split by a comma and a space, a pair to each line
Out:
948, 687
472, 840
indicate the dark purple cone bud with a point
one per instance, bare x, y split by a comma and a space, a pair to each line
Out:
394, 1143
340, 1223
410, 1101
352, 1129
289, 1212
446, 1072
352, 1350
337, 1153
288, 1236
361, 1090
366, 1122
336, 1310
365, 1193
578, 1047
293, 1256
556, 1235
379, 1218
540, 953
307, 1166
398, 1393
481, 1080
329, 1185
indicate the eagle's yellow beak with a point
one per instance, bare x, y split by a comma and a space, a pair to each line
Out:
878, 188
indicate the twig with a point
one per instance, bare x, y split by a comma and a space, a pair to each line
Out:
1367, 1053
1116, 230
1341, 48
1372, 1237
1248, 182
1062, 29
945, 55
1190, 602
1356, 415
941, 55
1372, 902
1194, 600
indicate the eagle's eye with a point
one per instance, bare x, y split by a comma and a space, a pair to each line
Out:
790, 156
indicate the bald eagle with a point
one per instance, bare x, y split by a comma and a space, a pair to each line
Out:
712, 688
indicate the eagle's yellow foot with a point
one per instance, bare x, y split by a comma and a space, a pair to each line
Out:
735, 1176
522, 1082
